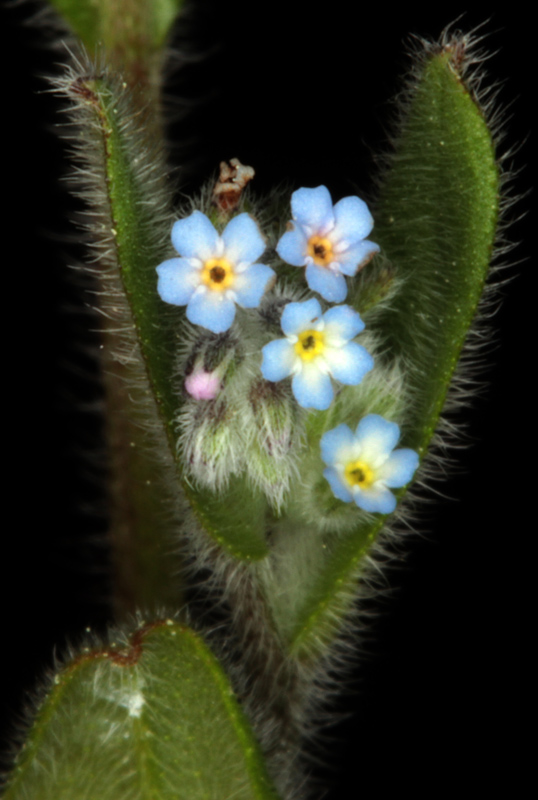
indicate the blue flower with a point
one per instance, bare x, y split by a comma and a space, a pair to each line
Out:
215, 272
363, 466
329, 240
317, 346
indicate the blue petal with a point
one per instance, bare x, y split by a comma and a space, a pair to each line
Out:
330, 285
242, 240
313, 209
178, 280
399, 468
212, 310
250, 285
337, 485
336, 445
353, 220
195, 237
342, 323
292, 247
375, 499
357, 256
349, 364
377, 436
298, 317
278, 359
312, 388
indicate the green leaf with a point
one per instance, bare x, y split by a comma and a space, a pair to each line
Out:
136, 206
158, 326
150, 717
236, 520
435, 221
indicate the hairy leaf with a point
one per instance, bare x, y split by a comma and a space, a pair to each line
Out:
435, 221
150, 716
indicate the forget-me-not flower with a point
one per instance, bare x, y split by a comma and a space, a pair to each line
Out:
364, 466
214, 272
317, 346
329, 240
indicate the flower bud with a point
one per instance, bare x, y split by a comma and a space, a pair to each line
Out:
277, 421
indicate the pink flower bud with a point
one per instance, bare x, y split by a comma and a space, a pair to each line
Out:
203, 385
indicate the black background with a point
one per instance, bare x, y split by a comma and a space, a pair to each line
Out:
439, 700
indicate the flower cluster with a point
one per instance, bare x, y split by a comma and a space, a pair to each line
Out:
364, 466
215, 272
317, 346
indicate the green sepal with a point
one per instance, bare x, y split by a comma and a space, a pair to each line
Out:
435, 222
151, 716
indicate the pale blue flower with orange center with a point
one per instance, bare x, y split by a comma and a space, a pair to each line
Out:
317, 347
215, 272
330, 241
363, 467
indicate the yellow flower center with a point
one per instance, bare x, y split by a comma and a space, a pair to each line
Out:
310, 345
321, 250
218, 274
357, 473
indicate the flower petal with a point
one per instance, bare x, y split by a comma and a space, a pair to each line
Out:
212, 310
178, 280
399, 468
195, 237
353, 220
243, 240
250, 285
337, 445
278, 360
298, 317
330, 285
348, 364
358, 255
292, 247
337, 485
313, 209
376, 499
377, 437
342, 323
312, 388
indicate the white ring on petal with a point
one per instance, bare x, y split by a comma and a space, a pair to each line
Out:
212, 310
292, 247
250, 285
195, 237
342, 323
399, 468
336, 445
353, 220
178, 280
312, 388
338, 486
376, 499
278, 360
378, 437
312, 208
349, 364
298, 317
329, 284
242, 240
